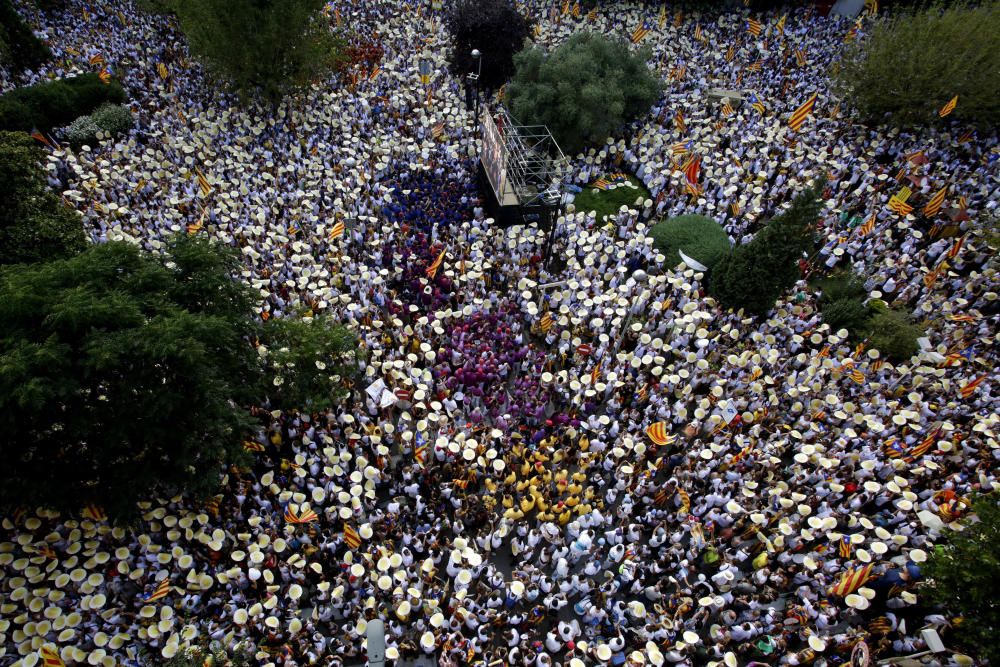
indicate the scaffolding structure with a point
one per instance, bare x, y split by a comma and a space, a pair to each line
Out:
533, 160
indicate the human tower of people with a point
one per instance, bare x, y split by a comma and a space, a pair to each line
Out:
525, 475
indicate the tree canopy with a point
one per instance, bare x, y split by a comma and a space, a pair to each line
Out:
19, 48
496, 28
754, 275
585, 90
34, 224
962, 574
911, 66
123, 373
260, 46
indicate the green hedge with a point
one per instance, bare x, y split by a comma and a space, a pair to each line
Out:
110, 120
19, 48
56, 103
701, 239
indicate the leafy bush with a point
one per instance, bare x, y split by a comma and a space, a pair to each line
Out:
754, 275
893, 332
34, 224
82, 131
114, 119
585, 90
842, 301
19, 48
55, 103
909, 67
702, 239
608, 202
850, 314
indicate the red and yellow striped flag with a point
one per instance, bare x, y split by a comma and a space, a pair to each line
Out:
970, 388
956, 247
799, 115
685, 501
934, 205
866, 229
94, 512
351, 537
203, 184
432, 270
852, 580
596, 373
546, 322
949, 107
753, 27
658, 434
50, 658
337, 231
161, 590
679, 122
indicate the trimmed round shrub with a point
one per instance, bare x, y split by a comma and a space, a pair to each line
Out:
894, 333
82, 131
702, 239
114, 119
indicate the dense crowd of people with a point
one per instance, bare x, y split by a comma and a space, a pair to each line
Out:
571, 460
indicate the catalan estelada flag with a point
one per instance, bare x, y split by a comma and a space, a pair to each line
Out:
756, 103
658, 434
351, 537
932, 207
844, 547
852, 580
799, 115
639, 33
949, 107
160, 591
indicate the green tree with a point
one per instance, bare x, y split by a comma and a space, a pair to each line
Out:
585, 90
496, 28
702, 239
124, 373
909, 67
34, 224
19, 48
962, 574
754, 275
260, 46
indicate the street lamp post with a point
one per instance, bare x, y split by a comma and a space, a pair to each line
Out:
472, 79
